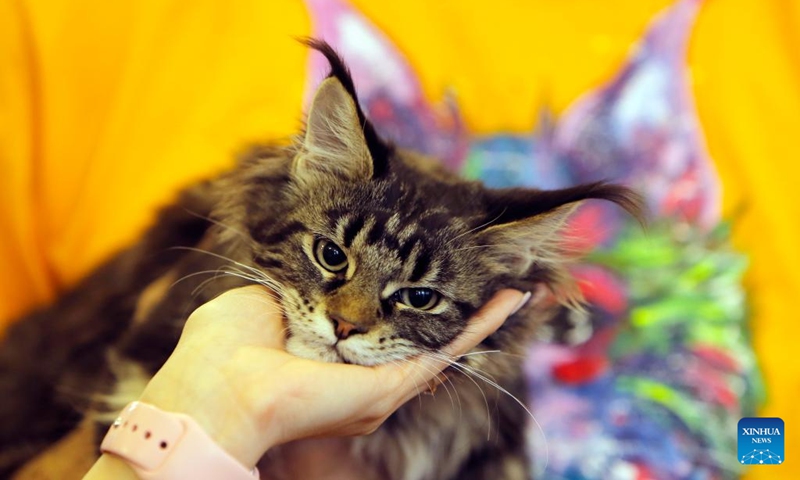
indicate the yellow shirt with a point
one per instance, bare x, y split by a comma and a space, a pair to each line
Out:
107, 108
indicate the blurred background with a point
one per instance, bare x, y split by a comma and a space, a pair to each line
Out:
107, 109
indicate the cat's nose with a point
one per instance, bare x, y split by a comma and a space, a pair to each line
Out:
344, 329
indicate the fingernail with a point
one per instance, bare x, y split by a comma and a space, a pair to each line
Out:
521, 303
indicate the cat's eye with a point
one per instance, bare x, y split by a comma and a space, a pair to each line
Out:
330, 256
419, 298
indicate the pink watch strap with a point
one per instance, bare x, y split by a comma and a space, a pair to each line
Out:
161, 445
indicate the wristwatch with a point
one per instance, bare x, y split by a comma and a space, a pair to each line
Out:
161, 445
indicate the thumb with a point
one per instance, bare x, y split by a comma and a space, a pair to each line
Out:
487, 320
416, 373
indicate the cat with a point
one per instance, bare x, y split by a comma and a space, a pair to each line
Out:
377, 253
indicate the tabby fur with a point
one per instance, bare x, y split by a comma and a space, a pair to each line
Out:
402, 221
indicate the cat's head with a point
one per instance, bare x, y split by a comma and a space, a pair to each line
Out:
379, 253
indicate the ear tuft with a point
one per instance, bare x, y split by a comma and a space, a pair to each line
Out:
379, 150
518, 203
334, 143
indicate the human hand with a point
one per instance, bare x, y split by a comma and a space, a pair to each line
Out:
230, 372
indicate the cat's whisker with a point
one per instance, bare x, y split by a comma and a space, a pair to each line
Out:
199, 288
192, 275
272, 307
416, 385
216, 222
468, 369
449, 361
458, 397
472, 371
265, 281
253, 270
202, 286
483, 352
443, 384
274, 288
250, 271
452, 363
481, 375
243, 276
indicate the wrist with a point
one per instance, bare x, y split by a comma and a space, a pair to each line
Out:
215, 408
110, 466
161, 445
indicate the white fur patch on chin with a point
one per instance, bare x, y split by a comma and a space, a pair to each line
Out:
351, 354
296, 346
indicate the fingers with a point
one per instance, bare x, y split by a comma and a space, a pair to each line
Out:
365, 396
414, 377
251, 316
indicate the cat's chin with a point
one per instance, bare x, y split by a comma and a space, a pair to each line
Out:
321, 353
325, 353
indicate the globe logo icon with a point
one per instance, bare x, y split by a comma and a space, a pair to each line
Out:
761, 457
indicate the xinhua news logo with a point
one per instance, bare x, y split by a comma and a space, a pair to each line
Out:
761, 441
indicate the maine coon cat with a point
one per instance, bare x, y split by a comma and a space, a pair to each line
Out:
378, 254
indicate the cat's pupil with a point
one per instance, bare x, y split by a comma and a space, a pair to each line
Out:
419, 297
332, 255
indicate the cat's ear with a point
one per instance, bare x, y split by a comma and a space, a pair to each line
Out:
339, 139
334, 142
525, 227
513, 247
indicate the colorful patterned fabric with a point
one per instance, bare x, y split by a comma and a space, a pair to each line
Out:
668, 370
